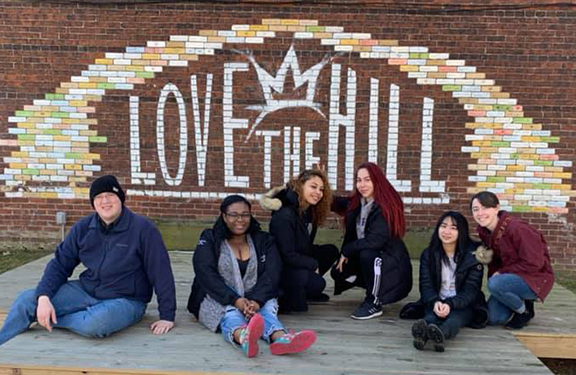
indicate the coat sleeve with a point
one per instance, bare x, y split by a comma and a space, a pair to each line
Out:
159, 271
428, 294
283, 226
468, 293
60, 268
376, 236
205, 265
531, 248
266, 287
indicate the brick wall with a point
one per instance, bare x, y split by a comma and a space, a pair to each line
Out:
188, 102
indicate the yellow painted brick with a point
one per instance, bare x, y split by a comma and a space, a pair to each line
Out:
388, 42
540, 209
528, 138
408, 68
468, 100
44, 149
562, 175
174, 50
217, 39
208, 32
532, 126
476, 167
174, 44
61, 90
488, 151
271, 21
349, 41
140, 62
61, 137
150, 56
435, 62
323, 35
47, 172
528, 156
505, 174
278, 28
189, 57
73, 167
289, 22
436, 75
92, 156
88, 132
561, 187
117, 68
134, 68
475, 75
553, 169
245, 33
48, 195
515, 167
309, 22
103, 61
514, 114
70, 85
361, 48
26, 125
93, 98
19, 154
47, 160
479, 155
34, 131
500, 95
18, 165
84, 145
514, 191
78, 103
77, 179
491, 88
485, 184
259, 27
526, 150
87, 85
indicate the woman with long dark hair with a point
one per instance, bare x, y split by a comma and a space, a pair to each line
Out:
520, 270
373, 255
298, 208
237, 268
450, 283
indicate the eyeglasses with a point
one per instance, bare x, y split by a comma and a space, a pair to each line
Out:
104, 196
237, 216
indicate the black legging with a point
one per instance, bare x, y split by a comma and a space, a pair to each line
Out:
299, 284
366, 266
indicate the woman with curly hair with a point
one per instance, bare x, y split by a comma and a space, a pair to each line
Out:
298, 208
373, 246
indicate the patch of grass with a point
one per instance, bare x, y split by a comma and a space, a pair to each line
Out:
567, 280
10, 259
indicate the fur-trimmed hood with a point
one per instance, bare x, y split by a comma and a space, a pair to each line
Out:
275, 198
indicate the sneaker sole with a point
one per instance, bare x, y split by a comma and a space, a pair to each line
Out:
375, 315
435, 336
301, 342
419, 334
255, 330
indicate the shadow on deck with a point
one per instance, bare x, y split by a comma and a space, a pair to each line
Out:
344, 346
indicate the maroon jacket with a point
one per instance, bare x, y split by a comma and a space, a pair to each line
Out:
521, 250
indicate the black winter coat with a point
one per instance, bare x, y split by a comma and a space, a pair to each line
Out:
209, 281
396, 267
293, 239
469, 275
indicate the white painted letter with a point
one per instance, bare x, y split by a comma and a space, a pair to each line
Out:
310, 159
201, 134
291, 153
267, 134
167, 90
136, 174
426, 182
392, 150
373, 127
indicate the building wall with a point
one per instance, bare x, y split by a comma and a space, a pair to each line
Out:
188, 102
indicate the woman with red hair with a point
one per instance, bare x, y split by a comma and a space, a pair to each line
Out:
373, 246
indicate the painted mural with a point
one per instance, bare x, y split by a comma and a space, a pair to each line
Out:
508, 153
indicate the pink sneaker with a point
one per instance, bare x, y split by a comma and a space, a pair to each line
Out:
293, 342
251, 334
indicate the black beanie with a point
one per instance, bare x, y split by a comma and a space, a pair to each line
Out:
106, 184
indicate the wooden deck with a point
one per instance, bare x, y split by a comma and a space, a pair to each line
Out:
344, 346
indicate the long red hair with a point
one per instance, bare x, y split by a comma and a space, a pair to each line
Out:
387, 198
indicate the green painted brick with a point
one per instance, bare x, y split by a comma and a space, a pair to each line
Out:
543, 162
500, 144
522, 208
52, 96
551, 139
451, 88
26, 137
97, 139
106, 85
24, 113
496, 179
73, 155
313, 29
145, 74
542, 186
60, 114
522, 120
501, 107
30, 171
52, 131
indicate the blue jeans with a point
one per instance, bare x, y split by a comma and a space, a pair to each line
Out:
76, 310
234, 319
507, 294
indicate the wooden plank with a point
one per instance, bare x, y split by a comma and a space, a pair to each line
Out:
549, 346
55, 370
2, 317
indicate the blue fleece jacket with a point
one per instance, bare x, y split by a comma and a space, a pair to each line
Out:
126, 260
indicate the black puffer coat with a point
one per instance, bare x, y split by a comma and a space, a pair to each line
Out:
396, 267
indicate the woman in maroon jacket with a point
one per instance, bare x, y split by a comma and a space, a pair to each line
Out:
520, 270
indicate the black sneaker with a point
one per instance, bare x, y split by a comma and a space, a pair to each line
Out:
519, 321
367, 310
530, 307
436, 336
320, 298
420, 334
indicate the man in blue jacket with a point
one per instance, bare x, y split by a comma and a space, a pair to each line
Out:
125, 260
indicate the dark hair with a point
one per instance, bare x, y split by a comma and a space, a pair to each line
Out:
463, 241
220, 226
387, 198
319, 211
486, 199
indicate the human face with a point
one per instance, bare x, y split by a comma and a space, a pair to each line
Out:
364, 184
313, 190
448, 232
486, 217
108, 206
237, 218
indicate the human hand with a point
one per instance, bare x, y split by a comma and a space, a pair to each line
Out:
441, 309
161, 327
241, 304
45, 313
252, 308
341, 262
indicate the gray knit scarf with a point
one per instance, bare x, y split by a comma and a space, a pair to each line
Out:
361, 220
212, 312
